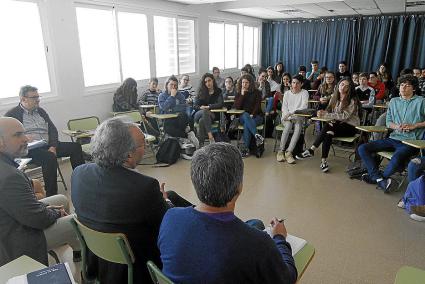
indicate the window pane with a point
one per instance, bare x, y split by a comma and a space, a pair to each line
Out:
216, 45
255, 61
240, 47
186, 41
247, 45
165, 46
22, 56
134, 46
231, 46
99, 50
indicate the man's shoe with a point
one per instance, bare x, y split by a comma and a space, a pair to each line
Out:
385, 185
366, 178
417, 217
245, 153
76, 256
259, 139
324, 166
280, 157
289, 158
307, 153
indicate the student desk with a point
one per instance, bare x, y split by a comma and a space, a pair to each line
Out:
21, 265
303, 259
144, 107
322, 119
75, 134
160, 117
221, 111
419, 144
235, 111
366, 130
410, 275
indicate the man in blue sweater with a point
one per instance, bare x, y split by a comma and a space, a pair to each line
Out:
208, 243
406, 117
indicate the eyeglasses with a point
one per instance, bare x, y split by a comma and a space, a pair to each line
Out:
34, 97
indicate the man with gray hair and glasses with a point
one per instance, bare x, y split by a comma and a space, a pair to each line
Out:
27, 226
110, 195
208, 243
39, 126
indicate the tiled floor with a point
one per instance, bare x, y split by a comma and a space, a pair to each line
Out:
359, 234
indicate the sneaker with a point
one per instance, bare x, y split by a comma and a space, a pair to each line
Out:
324, 166
417, 217
366, 178
385, 185
244, 153
289, 158
307, 153
192, 137
259, 139
280, 157
401, 204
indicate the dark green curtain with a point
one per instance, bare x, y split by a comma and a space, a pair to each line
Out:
363, 42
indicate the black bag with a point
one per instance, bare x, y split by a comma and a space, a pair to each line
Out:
168, 152
221, 137
255, 149
269, 125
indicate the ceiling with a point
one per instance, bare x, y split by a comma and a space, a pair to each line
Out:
309, 9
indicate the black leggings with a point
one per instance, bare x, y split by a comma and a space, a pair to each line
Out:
339, 129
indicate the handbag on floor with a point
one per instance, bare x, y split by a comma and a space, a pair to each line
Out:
168, 152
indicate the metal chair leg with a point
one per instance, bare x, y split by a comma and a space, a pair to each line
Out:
62, 179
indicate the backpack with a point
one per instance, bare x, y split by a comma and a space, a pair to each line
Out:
255, 149
415, 194
221, 137
168, 152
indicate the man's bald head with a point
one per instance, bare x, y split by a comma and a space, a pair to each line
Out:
13, 141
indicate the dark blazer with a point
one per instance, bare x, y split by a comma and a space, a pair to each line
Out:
250, 102
124, 201
18, 113
22, 217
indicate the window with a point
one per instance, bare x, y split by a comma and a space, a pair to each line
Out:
22, 52
174, 46
134, 45
232, 46
98, 44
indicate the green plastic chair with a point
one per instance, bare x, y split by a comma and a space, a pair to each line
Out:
156, 275
410, 275
134, 115
112, 247
84, 123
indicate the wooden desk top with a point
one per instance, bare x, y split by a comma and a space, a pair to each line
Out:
219, 110
164, 116
322, 119
21, 265
147, 106
380, 106
419, 144
313, 101
302, 115
235, 111
229, 101
78, 133
372, 128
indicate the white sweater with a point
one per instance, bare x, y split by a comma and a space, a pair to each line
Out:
292, 102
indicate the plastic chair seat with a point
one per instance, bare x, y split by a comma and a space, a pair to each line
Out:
347, 139
410, 275
386, 154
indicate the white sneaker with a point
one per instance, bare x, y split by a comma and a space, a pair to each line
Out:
417, 217
401, 204
192, 137
324, 166
280, 157
289, 158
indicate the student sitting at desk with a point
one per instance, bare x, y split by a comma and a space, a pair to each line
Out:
325, 91
172, 101
343, 115
150, 96
406, 116
209, 97
293, 100
264, 87
364, 92
125, 97
230, 89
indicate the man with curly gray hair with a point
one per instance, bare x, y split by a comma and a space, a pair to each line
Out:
110, 195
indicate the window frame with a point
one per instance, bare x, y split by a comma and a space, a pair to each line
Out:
52, 95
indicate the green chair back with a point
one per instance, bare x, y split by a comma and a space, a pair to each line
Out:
157, 276
112, 247
134, 115
83, 124
410, 275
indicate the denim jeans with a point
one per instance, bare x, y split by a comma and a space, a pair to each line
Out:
269, 104
402, 153
250, 126
415, 168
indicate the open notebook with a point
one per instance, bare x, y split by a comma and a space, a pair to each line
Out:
296, 243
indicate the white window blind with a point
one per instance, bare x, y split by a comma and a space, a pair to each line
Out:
22, 52
230, 46
248, 47
165, 46
186, 45
216, 45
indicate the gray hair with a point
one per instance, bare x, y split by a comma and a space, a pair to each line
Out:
26, 89
217, 173
112, 143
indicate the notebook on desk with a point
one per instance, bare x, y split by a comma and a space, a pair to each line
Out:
296, 243
36, 144
56, 274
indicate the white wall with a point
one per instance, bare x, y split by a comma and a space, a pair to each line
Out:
70, 99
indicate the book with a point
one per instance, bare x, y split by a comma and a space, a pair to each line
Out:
36, 144
22, 163
296, 243
56, 274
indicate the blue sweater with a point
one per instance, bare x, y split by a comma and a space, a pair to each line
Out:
197, 248
170, 104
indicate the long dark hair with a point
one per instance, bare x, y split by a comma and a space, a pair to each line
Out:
336, 96
203, 90
251, 83
282, 87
